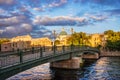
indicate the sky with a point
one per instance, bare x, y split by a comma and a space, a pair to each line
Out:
39, 18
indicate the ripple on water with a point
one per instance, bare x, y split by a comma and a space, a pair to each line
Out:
106, 68
41, 72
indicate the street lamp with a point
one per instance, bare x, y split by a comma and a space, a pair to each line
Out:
72, 34
54, 32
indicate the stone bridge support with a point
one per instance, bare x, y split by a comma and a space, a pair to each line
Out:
90, 56
74, 63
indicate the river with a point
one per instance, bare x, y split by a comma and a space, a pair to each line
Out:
106, 68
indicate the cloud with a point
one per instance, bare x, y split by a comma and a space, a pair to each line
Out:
11, 31
27, 27
13, 20
41, 31
54, 4
67, 20
59, 20
38, 9
113, 11
8, 2
97, 17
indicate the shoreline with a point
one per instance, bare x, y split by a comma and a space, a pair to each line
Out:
110, 54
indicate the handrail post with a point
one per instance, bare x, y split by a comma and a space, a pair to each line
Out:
63, 48
18, 50
44, 48
54, 49
21, 56
41, 53
71, 47
32, 50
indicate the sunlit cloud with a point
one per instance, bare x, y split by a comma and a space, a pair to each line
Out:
59, 20
8, 2
19, 17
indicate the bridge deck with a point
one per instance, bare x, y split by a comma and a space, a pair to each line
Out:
36, 56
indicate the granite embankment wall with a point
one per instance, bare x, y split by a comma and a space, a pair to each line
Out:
110, 54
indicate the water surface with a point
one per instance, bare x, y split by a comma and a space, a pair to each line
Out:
106, 68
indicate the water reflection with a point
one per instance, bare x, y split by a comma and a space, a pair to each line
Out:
37, 73
102, 69
106, 68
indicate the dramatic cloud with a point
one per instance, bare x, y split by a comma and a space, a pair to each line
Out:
97, 17
66, 20
60, 20
12, 31
8, 2
54, 4
20, 17
41, 32
113, 11
14, 20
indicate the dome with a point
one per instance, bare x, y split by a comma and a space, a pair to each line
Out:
63, 33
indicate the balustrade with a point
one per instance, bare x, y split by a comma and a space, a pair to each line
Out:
24, 55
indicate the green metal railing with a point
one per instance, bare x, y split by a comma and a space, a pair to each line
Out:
24, 55
20, 60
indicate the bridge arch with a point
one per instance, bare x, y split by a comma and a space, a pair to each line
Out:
41, 56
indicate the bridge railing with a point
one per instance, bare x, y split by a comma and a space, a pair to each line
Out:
24, 55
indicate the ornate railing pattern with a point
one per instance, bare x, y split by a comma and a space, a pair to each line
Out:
24, 55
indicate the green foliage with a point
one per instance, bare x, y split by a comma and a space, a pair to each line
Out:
78, 39
113, 40
57, 42
113, 46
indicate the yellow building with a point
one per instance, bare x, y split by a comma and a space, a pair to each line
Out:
21, 42
21, 38
45, 41
95, 40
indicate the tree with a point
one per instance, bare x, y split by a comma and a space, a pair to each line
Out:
57, 42
113, 40
78, 38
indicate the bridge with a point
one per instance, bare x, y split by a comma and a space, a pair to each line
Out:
14, 62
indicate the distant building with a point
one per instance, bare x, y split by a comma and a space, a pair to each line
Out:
95, 40
21, 42
45, 41
21, 45
5, 47
21, 38
62, 37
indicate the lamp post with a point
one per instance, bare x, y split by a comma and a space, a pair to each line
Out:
54, 32
72, 38
72, 34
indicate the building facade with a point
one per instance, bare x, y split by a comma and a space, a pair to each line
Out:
95, 40
62, 37
21, 42
5, 47
45, 41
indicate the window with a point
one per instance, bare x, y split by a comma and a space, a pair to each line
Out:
5, 47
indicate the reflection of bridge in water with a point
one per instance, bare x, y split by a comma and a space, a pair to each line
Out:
15, 62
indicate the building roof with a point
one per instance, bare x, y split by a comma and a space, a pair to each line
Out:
63, 33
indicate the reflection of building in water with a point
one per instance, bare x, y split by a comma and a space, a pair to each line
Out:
62, 37
41, 42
